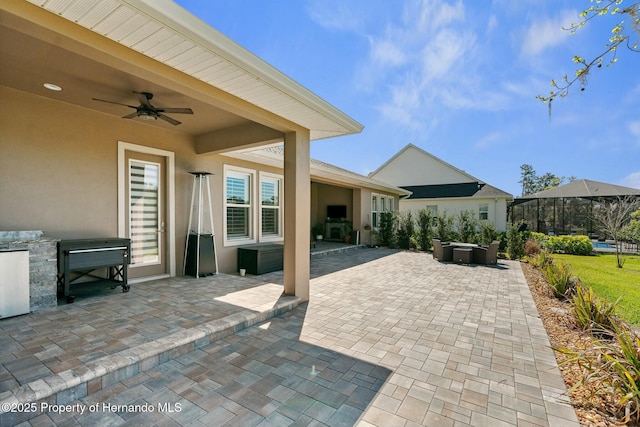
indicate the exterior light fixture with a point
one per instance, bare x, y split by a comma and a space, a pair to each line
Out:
147, 115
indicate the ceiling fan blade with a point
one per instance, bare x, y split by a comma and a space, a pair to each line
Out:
168, 119
131, 116
113, 102
175, 110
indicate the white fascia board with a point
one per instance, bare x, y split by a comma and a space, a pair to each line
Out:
176, 18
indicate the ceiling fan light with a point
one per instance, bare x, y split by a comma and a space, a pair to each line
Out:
148, 115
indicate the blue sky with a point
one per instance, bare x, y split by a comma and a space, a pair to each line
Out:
455, 78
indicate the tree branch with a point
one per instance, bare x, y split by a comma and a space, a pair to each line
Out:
617, 39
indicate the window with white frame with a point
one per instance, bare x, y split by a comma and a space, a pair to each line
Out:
374, 211
239, 207
270, 206
380, 204
483, 211
386, 204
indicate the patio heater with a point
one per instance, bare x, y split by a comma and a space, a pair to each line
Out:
200, 248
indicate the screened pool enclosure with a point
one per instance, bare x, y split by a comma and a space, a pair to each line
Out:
567, 209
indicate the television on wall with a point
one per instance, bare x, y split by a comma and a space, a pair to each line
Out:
336, 211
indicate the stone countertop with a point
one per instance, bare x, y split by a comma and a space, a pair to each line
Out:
15, 236
19, 239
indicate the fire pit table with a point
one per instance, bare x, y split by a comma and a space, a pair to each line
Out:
462, 255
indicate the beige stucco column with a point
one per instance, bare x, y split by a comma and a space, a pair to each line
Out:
297, 209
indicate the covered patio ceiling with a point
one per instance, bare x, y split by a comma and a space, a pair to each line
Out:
108, 49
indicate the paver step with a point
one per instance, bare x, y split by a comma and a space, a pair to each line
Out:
76, 383
328, 248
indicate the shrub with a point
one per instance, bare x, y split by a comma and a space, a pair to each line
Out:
532, 248
515, 242
540, 260
404, 230
538, 237
413, 242
424, 233
385, 229
573, 245
616, 370
488, 232
466, 224
502, 238
593, 313
444, 227
560, 279
624, 360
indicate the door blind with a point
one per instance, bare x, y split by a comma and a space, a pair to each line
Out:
144, 212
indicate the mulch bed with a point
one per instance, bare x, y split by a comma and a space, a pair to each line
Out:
563, 333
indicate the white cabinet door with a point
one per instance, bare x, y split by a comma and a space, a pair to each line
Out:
14, 283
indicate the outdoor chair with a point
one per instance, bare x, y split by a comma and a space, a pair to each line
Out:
486, 254
442, 251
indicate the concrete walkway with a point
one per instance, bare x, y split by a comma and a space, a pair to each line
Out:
388, 339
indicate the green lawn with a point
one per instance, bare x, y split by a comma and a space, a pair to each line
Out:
608, 281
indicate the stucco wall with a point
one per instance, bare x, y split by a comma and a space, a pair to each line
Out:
58, 166
497, 208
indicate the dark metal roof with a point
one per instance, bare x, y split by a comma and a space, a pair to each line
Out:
465, 189
583, 189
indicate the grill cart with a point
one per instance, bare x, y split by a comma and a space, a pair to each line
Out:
81, 258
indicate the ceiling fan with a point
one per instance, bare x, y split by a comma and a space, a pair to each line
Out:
147, 111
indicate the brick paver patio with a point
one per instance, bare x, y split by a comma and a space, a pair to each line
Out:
388, 339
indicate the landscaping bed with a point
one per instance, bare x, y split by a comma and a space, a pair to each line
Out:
563, 332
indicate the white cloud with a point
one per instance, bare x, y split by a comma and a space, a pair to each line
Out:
492, 24
422, 61
444, 52
438, 57
632, 180
547, 33
335, 15
435, 14
386, 52
489, 141
404, 100
634, 128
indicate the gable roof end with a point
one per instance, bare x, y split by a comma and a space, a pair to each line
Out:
421, 151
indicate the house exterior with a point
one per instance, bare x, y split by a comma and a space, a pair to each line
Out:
73, 165
441, 187
334, 188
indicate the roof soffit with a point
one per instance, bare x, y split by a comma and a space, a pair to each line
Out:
162, 30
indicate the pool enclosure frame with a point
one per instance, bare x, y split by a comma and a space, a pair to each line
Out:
565, 215
567, 209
